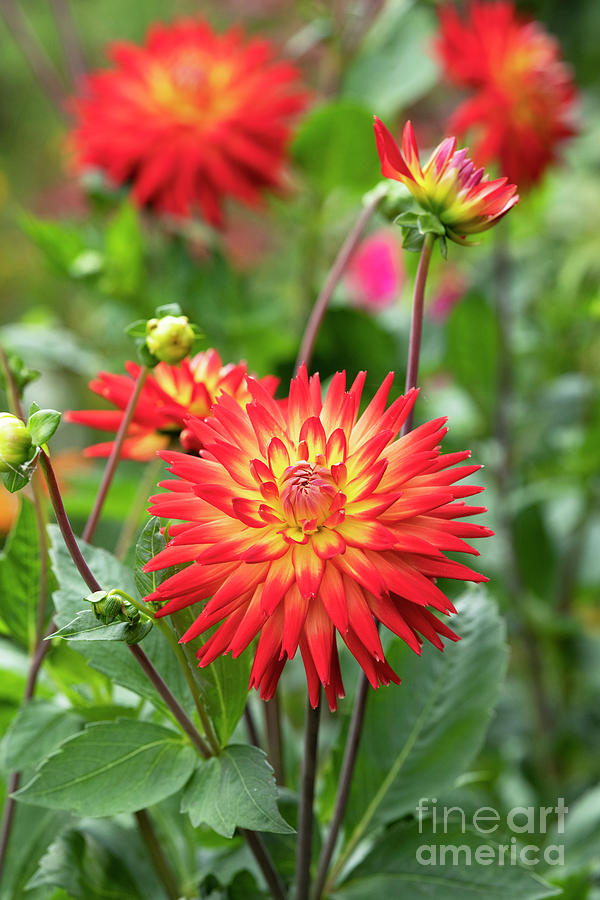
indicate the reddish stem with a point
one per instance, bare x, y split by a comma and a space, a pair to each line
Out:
416, 325
337, 270
115, 454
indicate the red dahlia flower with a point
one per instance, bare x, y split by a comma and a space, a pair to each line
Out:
169, 395
306, 522
523, 92
449, 185
189, 118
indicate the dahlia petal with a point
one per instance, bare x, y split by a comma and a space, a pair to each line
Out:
392, 163
270, 546
247, 512
313, 433
336, 449
295, 610
327, 543
359, 567
308, 568
218, 642
373, 534
279, 458
361, 619
333, 598
319, 633
278, 580
312, 676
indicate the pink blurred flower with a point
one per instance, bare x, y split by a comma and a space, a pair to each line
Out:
375, 274
450, 289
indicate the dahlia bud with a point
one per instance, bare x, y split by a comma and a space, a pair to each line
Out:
170, 338
15, 443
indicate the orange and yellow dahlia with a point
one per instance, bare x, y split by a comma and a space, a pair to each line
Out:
190, 118
522, 98
448, 185
169, 395
307, 521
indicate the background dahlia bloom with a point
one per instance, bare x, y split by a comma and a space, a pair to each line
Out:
189, 118
448, 185
523, 94
169, 395
311, 521
375, 274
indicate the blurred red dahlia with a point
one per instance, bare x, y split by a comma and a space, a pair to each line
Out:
189, 118
449, 185
169, 395
523, 92
306, 522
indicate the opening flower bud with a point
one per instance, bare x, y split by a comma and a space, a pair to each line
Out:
15, 442
169, 339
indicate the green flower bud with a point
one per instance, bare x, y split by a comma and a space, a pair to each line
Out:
15, 443
170, 339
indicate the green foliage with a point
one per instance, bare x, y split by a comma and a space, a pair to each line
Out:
42, 424
19, 577
472, 350
393, 868
394, 66
123, 270
110, 768
87, 627
334, 147
235, 790
36, 730
421, 736
150, 542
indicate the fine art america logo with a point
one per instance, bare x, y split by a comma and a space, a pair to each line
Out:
481, 848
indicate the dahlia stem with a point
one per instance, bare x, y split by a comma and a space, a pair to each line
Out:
39, 62
40, 647
337, 270
157, 854
360, 704
274, 738
344, 784
115, 454
72, 546
307, 794
251, 729
416, 325
69, 38
183, 661
264, 860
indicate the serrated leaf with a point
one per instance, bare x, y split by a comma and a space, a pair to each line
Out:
420, 736
33, 829
87, 627
42, 425
235, 789
34, 733
110, 768
393, 869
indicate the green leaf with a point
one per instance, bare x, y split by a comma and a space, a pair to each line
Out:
150, 542
137, 329
407, 219
60, 243
112, 658
395, 65
17, 479
393, 869
19, 576
87, 627
335, 147
86, 870
110, 768
124, 254
168, 309
581, 835
42, 425
430, 224
34, 733
472, 349
33, 829
235, 789
420, 736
